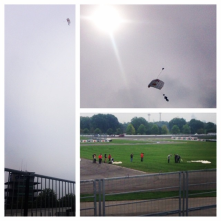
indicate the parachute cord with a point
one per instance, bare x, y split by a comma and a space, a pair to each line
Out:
160, 72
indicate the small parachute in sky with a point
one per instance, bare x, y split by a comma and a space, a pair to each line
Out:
69, 21
156, 84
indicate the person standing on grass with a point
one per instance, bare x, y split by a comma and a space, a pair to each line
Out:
100, 158
141, 156
109, 158
105, 157
131, 157
168, 158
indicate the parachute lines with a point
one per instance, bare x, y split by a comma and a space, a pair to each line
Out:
160, 73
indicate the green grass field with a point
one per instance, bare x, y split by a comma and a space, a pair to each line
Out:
155, 154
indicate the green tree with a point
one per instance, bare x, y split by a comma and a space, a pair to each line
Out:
104, 122
195, 125
175, 129
210, 127
141, 129
130, 129
148, 128
137, 121
97, 131
47, 198
164, 129
155, 129
119, 131
86, 131
180, 122
200, 131
123, 127
85, 122
110, 131
68, 200
186, 129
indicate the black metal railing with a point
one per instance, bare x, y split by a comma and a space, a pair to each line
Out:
30, 194
186, 193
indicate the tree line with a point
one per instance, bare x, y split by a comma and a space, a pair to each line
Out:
46, 199
109, 124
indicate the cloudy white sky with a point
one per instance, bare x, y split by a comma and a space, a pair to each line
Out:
153, 116
40, 89
115, 71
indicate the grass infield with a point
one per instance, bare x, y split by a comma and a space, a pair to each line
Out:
155, 154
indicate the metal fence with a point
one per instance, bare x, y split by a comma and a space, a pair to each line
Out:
189, 193
30, 194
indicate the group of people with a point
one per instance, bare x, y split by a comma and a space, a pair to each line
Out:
177, 158
110, 159
141, 157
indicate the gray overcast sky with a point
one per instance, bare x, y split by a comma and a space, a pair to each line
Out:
126, 117
114, 73
40, 89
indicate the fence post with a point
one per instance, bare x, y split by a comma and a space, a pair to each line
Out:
99, 197
183, 193
179, 193
187, 193
95, 198
26, 194
103, 190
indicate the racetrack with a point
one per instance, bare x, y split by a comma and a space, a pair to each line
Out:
90, 170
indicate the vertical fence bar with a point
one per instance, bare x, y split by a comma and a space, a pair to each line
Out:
13, 194
52, 198
69, 203
27, 183
17, 197
183, 193
49, 196
7, 194
95, 198
59, 195
187, 177
99, 197
179, 193
56, 197
36, 198
62, 192
65, 196
45, 196
41, 198
103, 190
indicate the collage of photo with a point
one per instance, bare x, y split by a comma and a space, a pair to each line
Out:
110, 109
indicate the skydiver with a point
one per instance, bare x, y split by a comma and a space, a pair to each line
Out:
165, 97
69, 21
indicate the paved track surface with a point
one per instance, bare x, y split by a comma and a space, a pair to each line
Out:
90, 170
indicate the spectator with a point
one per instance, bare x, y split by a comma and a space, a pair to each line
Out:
131, 157
168, 157
94, 158
100, 158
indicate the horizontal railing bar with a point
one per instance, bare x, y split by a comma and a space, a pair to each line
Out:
89, 208
199, 184
38, 175
142, 201
141, 191
202, 207
163, 213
